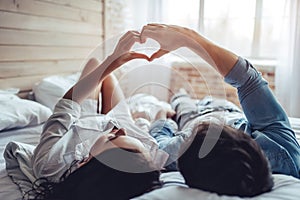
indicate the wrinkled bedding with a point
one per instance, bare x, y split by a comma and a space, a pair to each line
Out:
286, 187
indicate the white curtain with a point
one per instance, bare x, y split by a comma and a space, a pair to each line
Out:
288, 70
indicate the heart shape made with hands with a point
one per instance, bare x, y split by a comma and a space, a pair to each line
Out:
150, 48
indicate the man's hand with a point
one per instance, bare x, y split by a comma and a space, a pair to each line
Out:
169, 37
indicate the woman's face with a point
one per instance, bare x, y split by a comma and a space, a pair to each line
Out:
117, 138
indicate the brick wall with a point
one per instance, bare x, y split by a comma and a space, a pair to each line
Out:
200, 80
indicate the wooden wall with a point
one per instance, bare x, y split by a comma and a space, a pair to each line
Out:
39, 38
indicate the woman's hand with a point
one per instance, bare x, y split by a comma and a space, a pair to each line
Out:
122, 53
170, 37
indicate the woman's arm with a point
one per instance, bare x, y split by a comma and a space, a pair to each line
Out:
121, 55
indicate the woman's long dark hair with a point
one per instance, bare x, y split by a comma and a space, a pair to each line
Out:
96, 180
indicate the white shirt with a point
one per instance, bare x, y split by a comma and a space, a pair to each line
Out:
68, 137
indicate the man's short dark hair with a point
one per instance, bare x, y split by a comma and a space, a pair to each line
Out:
236, 164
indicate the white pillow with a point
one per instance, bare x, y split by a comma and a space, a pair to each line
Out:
17, 112
285, 187
51, 89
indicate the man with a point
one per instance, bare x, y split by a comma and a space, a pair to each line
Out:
211, 155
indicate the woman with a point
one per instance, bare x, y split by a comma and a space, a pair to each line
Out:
91, 156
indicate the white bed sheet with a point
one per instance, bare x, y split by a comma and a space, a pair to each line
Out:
29, 135
295, 123
286, 187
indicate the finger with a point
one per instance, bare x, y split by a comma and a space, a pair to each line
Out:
149, 28
130, 34
125, 35
143, 36
135, 32
158, 54
147, 32
134, 38
157, 25
153, 24
134, 55
131, 38
128, 57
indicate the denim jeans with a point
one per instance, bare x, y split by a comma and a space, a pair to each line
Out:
265, 121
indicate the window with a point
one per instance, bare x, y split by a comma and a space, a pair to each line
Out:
253, 25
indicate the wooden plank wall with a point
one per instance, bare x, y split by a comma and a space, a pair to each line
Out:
39, 38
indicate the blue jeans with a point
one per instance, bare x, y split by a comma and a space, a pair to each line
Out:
266, 122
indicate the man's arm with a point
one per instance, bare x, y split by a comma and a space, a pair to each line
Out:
172, 37
265, 115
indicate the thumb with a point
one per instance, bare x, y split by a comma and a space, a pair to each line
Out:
134, 55
158, 54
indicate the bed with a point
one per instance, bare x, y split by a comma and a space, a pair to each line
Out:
24, 123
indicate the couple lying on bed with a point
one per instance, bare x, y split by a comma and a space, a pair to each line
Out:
216, 149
